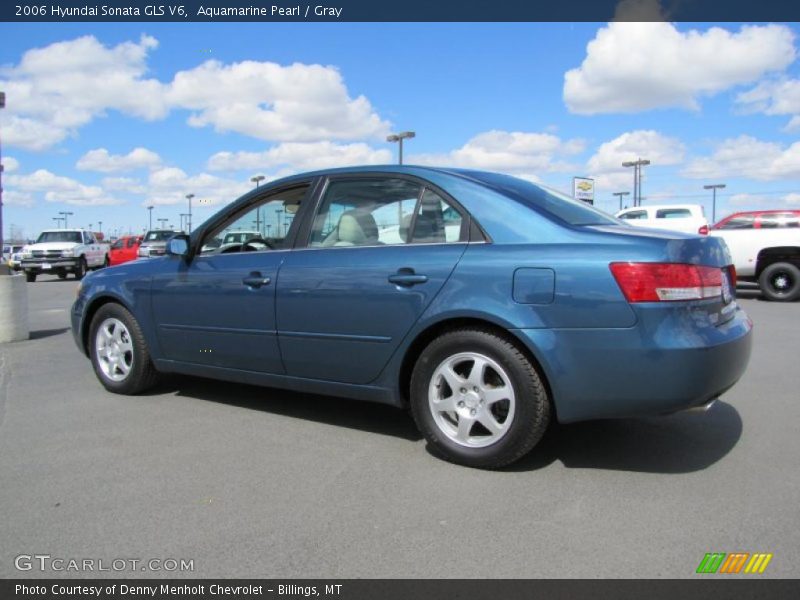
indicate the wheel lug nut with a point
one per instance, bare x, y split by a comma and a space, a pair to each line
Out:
463, 390
475, 388
461, 404
472, 412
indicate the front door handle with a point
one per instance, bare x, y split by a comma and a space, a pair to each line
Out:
407, 278
256, 280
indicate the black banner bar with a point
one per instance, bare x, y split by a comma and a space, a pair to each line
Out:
399, 589
405, 11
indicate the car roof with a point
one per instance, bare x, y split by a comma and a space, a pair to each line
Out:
662, 206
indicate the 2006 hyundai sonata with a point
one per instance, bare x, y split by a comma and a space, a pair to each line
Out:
488, 304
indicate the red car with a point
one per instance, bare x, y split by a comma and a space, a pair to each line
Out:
124, 249
760, 219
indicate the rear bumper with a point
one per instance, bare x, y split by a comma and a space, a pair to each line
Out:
657, 367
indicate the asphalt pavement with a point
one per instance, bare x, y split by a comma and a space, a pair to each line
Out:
255, 482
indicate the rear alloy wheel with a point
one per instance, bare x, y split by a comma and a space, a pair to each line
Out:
118, 351
80, 269
780, 282
478, 400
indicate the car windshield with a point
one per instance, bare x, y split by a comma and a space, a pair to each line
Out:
158, 236
549, 201
59, 236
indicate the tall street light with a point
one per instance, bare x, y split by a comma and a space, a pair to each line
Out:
58, 221
162, 222
257, 179
150, 213
714, 187
66, 214
399, 137
637, 178
621, 194
2, 105
189, 220
100, 226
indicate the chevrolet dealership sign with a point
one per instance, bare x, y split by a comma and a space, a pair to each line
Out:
583, 189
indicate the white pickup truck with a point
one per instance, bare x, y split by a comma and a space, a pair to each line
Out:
63, 251
765, 248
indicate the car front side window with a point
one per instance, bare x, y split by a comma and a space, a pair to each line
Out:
260, 228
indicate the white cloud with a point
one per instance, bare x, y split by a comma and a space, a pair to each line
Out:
606, 163
170, 185
525, 154
298, 103
763, 201
10, 164
57, 89
631, 67
13, 197
61, 189
298, 157
124, 184
749, 157
774, 97
100, 160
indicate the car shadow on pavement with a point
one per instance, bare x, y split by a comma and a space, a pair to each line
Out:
340, 412
679, 443
43, 333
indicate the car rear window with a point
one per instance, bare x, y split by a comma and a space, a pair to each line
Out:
739, 222
542, 199
673, 213
633, 215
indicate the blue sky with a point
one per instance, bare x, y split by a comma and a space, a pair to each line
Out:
104, 119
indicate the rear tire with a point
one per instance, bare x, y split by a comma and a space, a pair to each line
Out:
30, 276
118, 351
62, 274
780, 282
487, 418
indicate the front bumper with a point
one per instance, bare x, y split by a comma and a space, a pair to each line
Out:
656, 367
49, 265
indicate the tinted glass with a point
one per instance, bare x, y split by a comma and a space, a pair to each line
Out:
437, 222
673, 213
779, 220
636, 214
158, 236
131, 242
551, 202
60, 236
739, 222
116, 245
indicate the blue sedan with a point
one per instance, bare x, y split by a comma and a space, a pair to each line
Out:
488, 305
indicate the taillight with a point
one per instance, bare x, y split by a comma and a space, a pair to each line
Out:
666, 282
703, 230
732, 276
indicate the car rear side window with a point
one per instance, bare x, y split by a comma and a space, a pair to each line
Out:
634, 214
437, 222
131, 242
739, 222
673, 213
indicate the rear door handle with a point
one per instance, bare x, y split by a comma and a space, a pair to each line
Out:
407, 278
256, 280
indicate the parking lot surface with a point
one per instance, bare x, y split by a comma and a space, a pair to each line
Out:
256, 482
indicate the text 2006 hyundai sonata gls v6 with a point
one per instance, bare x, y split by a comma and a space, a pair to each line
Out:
488, 304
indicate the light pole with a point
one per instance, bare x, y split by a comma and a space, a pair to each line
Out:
100, 226
278, 212
90, 226
637, 178
399, 137
66, 214
2, 105
162, 221
257, 179
150, 214
182, 215
714, 187
189, 221
621, 194
58, 221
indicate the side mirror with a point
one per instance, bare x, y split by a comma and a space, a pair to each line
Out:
178, 245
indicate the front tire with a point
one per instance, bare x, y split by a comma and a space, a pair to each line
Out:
477, 399
30, 276
119, 353
80, 270
780, 282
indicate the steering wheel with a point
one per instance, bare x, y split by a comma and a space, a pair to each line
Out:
248, 247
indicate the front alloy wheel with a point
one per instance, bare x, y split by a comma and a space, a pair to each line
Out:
114, 349
119, 352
